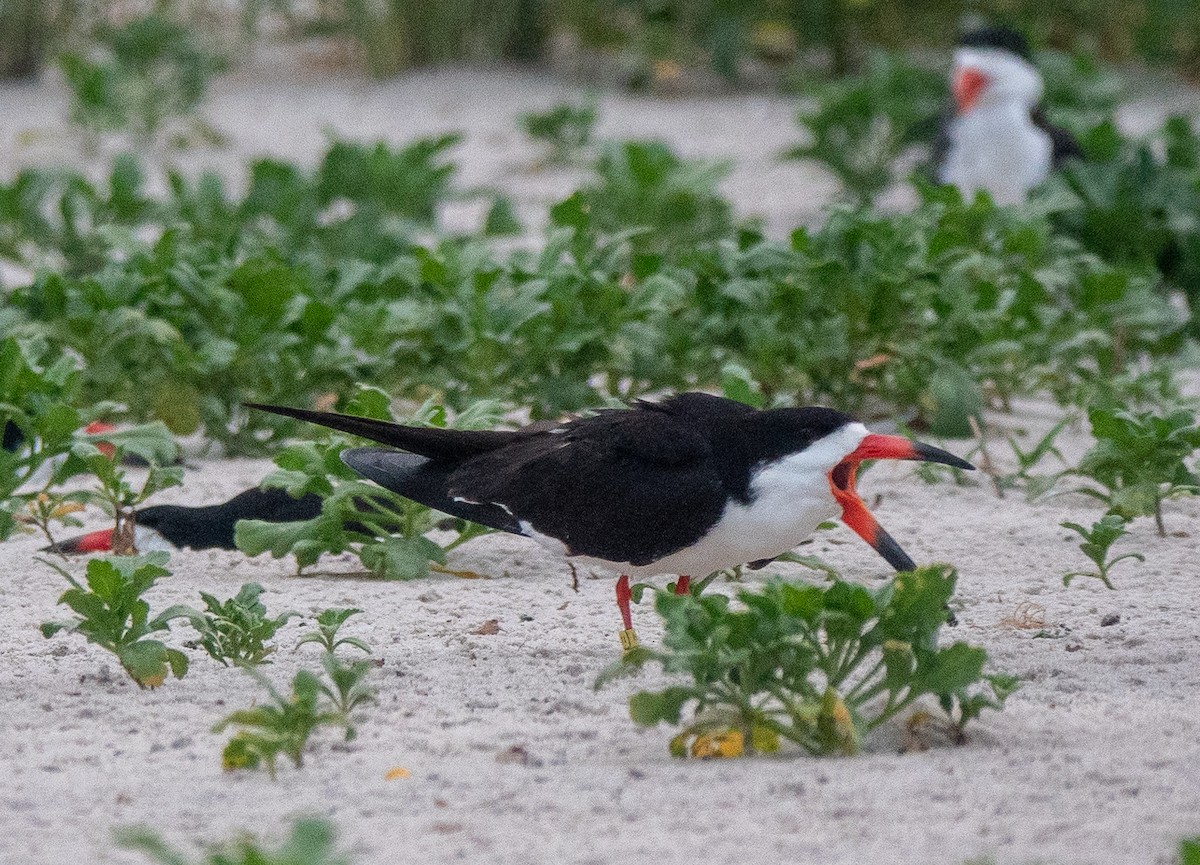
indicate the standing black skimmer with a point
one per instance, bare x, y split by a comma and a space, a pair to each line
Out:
998, 139
688, 486
175, 527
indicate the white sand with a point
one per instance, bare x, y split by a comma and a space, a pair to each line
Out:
1096, 759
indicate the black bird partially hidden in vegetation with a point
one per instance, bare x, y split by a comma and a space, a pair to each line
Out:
174, 527
688, 486
997, 138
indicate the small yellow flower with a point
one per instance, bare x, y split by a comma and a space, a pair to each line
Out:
396, 773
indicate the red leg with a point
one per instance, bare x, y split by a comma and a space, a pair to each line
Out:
624, 596
683, 585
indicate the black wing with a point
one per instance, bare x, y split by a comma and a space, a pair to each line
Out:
1063, 145
433, 442
625, 486
426, 481
939, 150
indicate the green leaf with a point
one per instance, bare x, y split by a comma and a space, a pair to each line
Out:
738, 384
105, 581
805, 602
400, 558
950, 669
648, 708
152, 442
239, 753
917, 607
502, 219
371, 402
305, 539
1189, 851
146, 661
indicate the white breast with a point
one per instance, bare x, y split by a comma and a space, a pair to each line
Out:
997, 148
790, 498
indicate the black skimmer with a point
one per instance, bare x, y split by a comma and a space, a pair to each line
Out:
998, 139
175, 527
688, 486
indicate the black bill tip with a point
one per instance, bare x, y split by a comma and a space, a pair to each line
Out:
930, 454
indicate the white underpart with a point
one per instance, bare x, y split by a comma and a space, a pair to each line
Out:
790, 498
996, 146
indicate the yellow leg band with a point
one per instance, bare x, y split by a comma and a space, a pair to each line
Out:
629, 639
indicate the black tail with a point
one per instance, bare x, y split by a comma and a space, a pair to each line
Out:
426, 481
433, 442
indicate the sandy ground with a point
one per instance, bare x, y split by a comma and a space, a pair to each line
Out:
513, 757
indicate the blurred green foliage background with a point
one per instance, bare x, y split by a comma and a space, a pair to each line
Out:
652, 39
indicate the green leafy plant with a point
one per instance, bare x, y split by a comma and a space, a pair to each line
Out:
113, 615
861, 124
817, 666
329, 622
566, 129
46, 444
1189, 851
348, 688
137, 76
312, 281
1139, 460
407, 183
281, 725
1027, 459
311, 843
235, 631
663, 204
60, 219
38, 425
1135, 208
1079, 92
386, 531
113, 492
1096, 543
